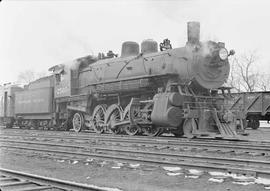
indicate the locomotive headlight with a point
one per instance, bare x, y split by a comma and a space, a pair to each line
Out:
223, 54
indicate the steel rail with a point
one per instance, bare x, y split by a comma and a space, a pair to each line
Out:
217, 145
92, 134
202, 162
109, 136
160, 154
45, 182
165, 138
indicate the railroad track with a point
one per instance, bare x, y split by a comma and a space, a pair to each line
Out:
253, 148
92, 134
70, 134
246, 166
112, 150
21, 181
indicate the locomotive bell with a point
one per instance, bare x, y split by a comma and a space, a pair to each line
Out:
149, 46
193, 32
130, 48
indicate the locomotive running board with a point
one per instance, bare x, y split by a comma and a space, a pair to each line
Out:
77, 108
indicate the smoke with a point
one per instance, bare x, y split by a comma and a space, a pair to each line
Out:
71, 43
206, 49
173, 10
28, 76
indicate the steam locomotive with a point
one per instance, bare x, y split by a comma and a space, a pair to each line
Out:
143, 91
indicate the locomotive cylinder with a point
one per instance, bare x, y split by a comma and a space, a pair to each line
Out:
164, 112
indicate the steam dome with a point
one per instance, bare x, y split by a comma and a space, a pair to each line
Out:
129, 48
149, 46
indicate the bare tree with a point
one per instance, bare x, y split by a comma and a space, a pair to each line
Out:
264, 82
233, 79
243, 76
248, 76
26, 76
29, 76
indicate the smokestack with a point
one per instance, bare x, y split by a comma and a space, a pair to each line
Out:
193, 32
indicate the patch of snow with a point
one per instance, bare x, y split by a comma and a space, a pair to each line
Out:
264, 181
75, 162
217, 173
60, 160
195, 172
217, 180
116, 167
103, 163
89, 160
171, 169
174, 173
191, 176
243, 183
120, 164
236, 177
241, 178
134, 165
267, 187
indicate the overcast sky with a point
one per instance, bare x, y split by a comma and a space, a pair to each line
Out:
36, 35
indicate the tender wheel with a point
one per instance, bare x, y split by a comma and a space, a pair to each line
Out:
188, 128
9, 125
245, 123
99, 119
35, 124
77, 122
114, 118
255, 124
20, 122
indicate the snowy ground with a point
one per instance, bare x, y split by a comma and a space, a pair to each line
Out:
125, 176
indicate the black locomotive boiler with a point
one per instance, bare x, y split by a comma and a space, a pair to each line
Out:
145, 91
